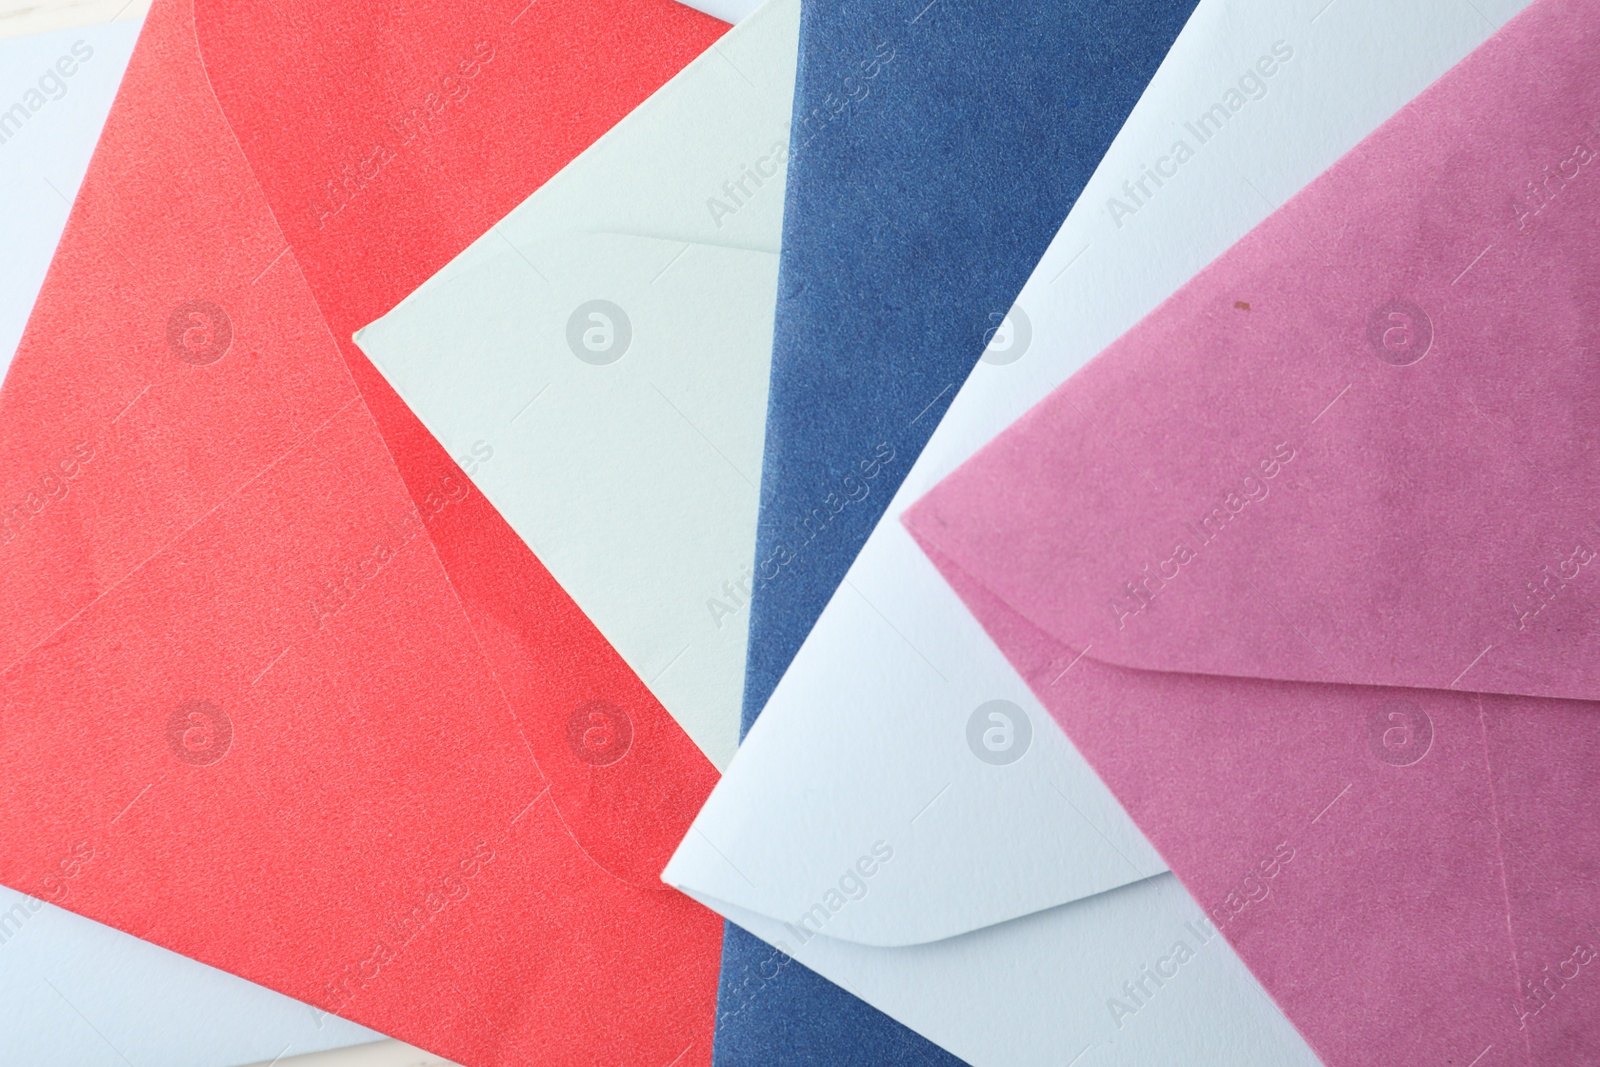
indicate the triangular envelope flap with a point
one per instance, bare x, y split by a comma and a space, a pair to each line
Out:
882, 817
385, 148
1236, 792
610, 402
1352, 449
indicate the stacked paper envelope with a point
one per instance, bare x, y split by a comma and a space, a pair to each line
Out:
491, 494
900, 723
1316, 532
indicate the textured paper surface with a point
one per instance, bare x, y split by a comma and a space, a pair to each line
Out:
49, 122
1406, 345
871, 721
603, 354
236, 673
914, 216
927, 178
74, 992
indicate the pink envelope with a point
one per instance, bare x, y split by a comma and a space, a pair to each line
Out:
1308, 565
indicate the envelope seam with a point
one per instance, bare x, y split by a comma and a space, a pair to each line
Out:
1500, 859
360, 397
179, 535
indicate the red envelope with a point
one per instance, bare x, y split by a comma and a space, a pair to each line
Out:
1308, 566
281, 692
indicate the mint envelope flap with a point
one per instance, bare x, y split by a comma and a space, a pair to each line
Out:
610, 403
598, 365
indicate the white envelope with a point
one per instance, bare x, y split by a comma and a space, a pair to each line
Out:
376, 1054
905, 818
598, 363
726, 10
74, 993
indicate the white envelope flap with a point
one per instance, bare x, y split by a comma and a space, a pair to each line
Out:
898, 805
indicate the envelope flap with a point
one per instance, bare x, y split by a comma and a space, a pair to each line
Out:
595, 317
608, 393
1358, 447
598, 363
875, 801
386, 147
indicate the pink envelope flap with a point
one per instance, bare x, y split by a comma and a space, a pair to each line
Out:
1359, 447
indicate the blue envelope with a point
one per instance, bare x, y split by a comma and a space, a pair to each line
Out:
936, 148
